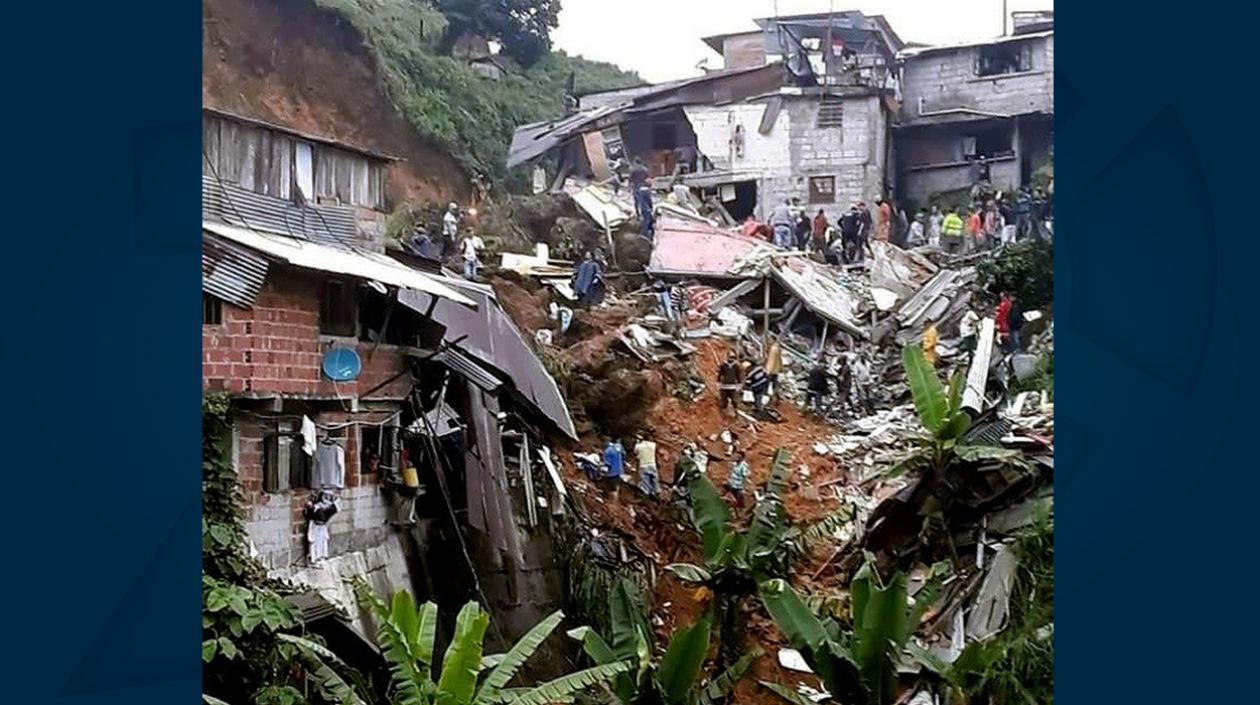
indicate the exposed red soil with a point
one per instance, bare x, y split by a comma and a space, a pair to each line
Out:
293, 63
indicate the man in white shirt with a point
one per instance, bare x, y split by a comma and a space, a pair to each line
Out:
470, 249
649, 479
450, 228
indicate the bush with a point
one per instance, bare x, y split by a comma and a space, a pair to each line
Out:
1025, 269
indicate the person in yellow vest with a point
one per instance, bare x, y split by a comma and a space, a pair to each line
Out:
774, 365
929, 345
952, 233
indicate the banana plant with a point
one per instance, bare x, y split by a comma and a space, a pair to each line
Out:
857, 665
945, 421
673, 680
406, 633
735, 560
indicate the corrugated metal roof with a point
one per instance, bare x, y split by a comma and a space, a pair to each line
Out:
489, 337
371, 266
461, 363
920, 51
535, 139
695, 248
332, 225
231, 272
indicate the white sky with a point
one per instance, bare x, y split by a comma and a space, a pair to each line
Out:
661, 38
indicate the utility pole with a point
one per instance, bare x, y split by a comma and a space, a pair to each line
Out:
1004, 18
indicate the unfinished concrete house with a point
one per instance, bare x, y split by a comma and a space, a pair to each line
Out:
802, 109
978, 107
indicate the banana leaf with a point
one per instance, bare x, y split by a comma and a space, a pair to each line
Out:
318, 659
562, 689
683, 660
711, 515
515, 658
725, 682
689, 572
462, 661
769, 521
879, 630
925, 386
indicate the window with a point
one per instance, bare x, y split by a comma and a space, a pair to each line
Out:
1007, 57
337, 309
211, 310
831, 112
285, 464
378, 450
822, 189
664, 135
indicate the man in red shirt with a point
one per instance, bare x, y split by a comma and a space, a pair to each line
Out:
1003, 318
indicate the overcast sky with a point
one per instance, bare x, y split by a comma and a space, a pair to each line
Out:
661, 38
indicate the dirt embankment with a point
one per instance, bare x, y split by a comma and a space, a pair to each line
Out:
296, 64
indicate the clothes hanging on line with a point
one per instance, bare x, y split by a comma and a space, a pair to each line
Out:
317, 538
309, 436
330, 466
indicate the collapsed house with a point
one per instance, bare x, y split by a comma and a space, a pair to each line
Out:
980, 106
808, 119
380, 414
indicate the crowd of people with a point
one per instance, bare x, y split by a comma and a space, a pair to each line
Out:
992, 219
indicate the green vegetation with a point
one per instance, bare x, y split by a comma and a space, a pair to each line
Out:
1025, 268
407, 634
522, 26
1042, 378
251, 646
471, 117
857, 664
674, 679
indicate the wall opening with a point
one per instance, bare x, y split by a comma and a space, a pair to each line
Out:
1007, 57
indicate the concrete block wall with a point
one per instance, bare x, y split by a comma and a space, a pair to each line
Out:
853, 153
715, 127
919, 184
275, 521
276, 346
946, 79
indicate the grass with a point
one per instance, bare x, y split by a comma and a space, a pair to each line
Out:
470, 117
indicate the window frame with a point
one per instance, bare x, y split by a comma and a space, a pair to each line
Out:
345, 311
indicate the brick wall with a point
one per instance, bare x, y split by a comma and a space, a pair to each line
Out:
944, 80
276, 347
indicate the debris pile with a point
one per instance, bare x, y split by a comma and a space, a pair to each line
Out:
820, 353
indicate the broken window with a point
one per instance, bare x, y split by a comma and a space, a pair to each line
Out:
211, 310
822, 189
378, 450
831, 112
337, 308
992, 142
285, 464
1007, 57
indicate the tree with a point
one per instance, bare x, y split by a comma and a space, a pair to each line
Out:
406, 633
673, 680
523, 27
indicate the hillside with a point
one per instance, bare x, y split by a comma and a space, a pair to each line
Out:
368, 72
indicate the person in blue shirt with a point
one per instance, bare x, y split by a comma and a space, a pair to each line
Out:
614, 464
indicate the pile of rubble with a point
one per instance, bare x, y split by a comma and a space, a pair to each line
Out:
645, 359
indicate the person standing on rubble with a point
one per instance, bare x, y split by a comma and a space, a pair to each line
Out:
975, 230
1010, 322
883, 229
816, 387
774, 364
614, 464
729, 382
649, 479
1023, 214
820, 226
450, 228
642, 197
758, 382
588, 280
851, 234
861, 380
864, 233
934, 226
782, 221
918, 235
952, 233
737, 478
992, 225
470, 250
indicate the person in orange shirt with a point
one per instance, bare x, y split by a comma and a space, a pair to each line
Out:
883, 227
975, 228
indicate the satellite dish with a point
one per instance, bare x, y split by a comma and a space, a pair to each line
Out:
342, 364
